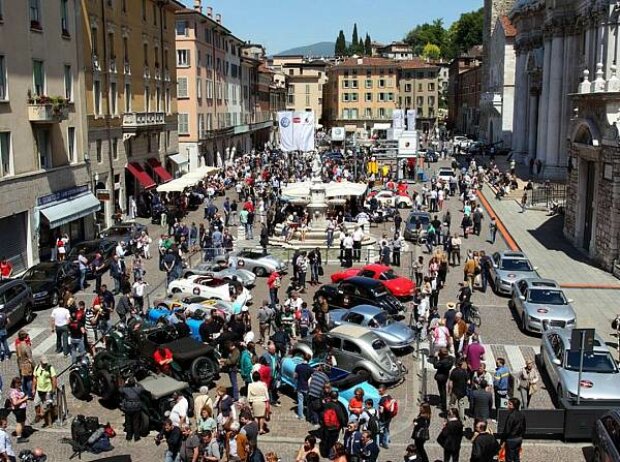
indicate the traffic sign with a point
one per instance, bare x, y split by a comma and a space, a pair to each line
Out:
576, 341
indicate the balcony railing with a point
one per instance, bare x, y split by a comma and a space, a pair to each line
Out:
139, 120
47, 113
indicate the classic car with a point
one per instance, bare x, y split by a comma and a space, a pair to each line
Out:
344, 382
106, 247
193, 361
46, 280
445, 173
359, 350
399, 286
208, 286
16, 301
193, 302
540, 303
395, 334
255, 261
600, 375
195, 315
388, 198
415, 227
358, 290
606, 437
247, 278
508, 267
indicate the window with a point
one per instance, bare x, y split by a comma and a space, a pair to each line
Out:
407, 87
368, 113
43, 143
126, 50
183, 58
167, 101
345, 84
124, 6
127, 97
5, 153
147, 99
199, 88
381, 97
351, 347
420, 87
114, 148
307, 100
182, 87
113, 99
381, 83
154, 14
144, 10
353, 83
209, 89
64, 17
431, 86
71, 144
0, 10
431, 101
68, 83
407, 101
97, 96
4, 94
354, 114
98, 154
158, 99
368, 83
183, 124
419, 101
390, 96
145, 51
382, 113
38, 77
201, 126
35, 14
368, 97
345, 114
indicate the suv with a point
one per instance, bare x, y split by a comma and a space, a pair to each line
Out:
16, 301
359, 350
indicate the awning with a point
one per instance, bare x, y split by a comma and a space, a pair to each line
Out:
67, 211
380, 126
179, 159
159, 170
139, 174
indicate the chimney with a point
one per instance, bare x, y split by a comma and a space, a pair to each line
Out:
210, 11
198, 5
218, 18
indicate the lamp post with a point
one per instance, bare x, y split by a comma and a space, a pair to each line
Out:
88, 171
188, 159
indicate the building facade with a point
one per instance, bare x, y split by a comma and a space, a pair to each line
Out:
464, 85
497, 101
361, 94
44, 181
396, 50
419, 90
129, 59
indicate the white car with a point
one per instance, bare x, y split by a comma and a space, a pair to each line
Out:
445, 174
210, 287
461, 141
389, 198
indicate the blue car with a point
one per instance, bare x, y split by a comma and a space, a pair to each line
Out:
196, 316
342, 381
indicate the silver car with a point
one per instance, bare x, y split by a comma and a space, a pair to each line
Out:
540, 304
256, 262
247, 278
600, 377
395, 334
509, 267
359, 350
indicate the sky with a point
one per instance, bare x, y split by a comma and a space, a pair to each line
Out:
283, 24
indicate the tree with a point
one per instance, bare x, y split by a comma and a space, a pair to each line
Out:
368, 45
431, 51
465, 32
426, 33
341, 45
354, 38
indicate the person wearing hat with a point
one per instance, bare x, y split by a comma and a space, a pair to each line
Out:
44, 387
450, 315
25, 364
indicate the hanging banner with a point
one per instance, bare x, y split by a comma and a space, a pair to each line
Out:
398, 118
412, 115
285, 123
303, 131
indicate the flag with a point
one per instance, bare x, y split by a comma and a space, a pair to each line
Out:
285, 123
411, 117
398, 117
303, 131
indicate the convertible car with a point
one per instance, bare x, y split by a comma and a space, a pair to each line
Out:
247, 278
398, 286
195, 316
208, 286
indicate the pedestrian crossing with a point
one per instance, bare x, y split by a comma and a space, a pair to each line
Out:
42, 338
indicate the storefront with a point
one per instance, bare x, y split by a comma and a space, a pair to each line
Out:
14, 242
70, 211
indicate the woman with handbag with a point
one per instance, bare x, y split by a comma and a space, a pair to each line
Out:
421, 430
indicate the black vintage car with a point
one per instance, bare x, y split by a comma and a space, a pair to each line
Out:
193, 361
106, 247
360, 291
47, 279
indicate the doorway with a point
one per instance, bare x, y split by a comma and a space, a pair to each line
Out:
590, 171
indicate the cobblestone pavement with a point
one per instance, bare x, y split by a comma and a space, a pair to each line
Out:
499, 332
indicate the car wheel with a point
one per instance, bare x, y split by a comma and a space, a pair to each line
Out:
28, 314
107, 388
363, 373
54, 298
203, 370
79, 389
260, 271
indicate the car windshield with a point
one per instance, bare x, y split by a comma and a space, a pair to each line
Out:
599, 362
389, 275
547, 297
513, 264
381, 319
423, 219
446, 172
40, 274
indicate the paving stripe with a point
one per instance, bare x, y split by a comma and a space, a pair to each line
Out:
514, 358
42, 348
489, 358
33, 332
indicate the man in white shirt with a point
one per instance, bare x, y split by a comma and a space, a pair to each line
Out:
138, 290
60, 318
83, 266
358, 236
6, 447
178, 414
348, 245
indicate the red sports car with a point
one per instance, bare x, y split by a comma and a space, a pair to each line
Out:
399, 286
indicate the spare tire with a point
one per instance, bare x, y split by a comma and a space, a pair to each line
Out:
204, 370
79, 388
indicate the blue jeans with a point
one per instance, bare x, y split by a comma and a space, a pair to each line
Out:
273, 296
248, 231
5, 352
513, 445
169, 457
233, 382
77, 349
384, 434
27, 385
314, 268
82, 278
301, 401
62, 339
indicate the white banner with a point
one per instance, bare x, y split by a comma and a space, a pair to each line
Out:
398, 118
303, 131
412, 115
285, 123
338, 134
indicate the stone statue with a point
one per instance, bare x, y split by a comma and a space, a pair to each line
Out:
316, 167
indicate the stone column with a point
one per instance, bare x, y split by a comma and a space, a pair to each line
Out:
532, 120
520, 111
568, 86
554, 110
541, 142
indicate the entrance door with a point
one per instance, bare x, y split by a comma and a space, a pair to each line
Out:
589, 205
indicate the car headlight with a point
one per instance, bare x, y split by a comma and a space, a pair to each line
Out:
40, 294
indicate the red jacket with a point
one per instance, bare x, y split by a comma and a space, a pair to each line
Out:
272, 279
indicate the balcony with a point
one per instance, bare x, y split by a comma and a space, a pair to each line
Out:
134, 121
47, 110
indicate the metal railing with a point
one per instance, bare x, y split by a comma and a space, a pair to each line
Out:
62, 406
548, 195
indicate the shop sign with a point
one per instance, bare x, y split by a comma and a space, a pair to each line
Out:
103, 195
62, 195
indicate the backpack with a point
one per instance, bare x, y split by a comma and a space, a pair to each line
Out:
305, 318
3, 320
390, 407
79, 431
330, 418
372, 425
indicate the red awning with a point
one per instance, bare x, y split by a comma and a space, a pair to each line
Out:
159, 170
139, 174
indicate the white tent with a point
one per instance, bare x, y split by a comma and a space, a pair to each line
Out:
301, 191
189, 179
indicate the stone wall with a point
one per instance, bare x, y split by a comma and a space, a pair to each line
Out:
607, 220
